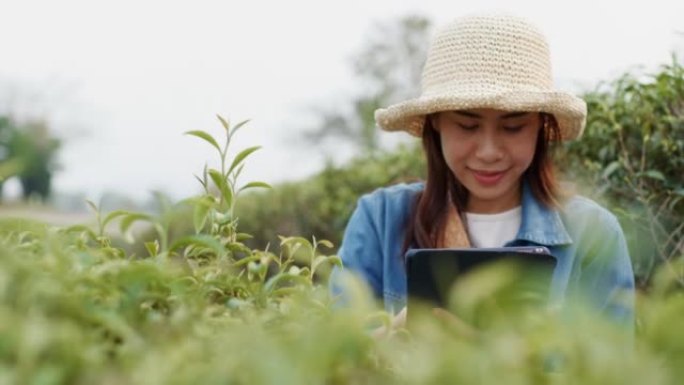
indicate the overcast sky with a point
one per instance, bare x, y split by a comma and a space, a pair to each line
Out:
120, 81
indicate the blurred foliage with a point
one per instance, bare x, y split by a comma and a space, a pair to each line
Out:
631, 158
322, 204
205, 308
28, 150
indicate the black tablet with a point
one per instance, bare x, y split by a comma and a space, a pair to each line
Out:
431, 273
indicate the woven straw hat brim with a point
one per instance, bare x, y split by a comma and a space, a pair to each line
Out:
569, 110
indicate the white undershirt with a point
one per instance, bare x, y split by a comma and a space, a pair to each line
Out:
493, 230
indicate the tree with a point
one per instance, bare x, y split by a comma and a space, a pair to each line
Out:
29, 151
389, 67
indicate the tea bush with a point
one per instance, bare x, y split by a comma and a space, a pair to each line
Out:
205, 308
632, 158
322, 204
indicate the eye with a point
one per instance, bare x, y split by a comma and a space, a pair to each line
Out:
513, 129
468, 127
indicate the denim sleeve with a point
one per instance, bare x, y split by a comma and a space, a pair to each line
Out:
606, 275
360, 250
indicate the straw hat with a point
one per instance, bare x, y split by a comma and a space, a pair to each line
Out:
487, 61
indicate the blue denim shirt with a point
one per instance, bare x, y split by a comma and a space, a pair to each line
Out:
586, 239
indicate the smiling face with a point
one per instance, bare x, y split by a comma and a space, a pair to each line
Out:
488, 151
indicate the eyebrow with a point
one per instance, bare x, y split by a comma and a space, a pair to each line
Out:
505, 116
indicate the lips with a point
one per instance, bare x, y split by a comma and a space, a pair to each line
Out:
488, 178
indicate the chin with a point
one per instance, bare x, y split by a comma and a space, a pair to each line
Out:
488, 192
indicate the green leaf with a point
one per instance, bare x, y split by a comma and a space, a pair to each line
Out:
93, 206
326, 243
81, 229
281, 278
335, 260
224, 122
113, 215
317, 261
131, 218
206, 137
610, 169
152, 247
294, 241
655, 174
237, 247
246, 260
200, 181
241, 156
238, 171
243, 236
221, 184
237, 126
199, 217
255, 185
200, 240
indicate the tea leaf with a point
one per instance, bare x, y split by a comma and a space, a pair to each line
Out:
241, 156
131, 218
325, 243
93, 206
255, 185
282, 278
243, 236
238, 247
246, 260
200, 181
237, 126
610, 169
199, 218
82, 229
655, 174
113, 215
317, 261
152, 248
237, 173
206, 137
224, 123
200, 240
221, 184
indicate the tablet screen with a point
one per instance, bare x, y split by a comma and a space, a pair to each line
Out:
432, 274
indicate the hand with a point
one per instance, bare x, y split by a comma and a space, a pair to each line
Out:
457, 324
399, 321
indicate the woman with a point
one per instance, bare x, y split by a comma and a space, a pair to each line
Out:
487, 116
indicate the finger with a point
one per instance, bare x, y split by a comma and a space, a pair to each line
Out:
455, 322
399, 320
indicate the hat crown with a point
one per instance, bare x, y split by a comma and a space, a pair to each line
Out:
493, 61
488, 53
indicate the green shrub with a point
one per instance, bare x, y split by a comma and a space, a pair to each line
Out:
205, 308
322, 204
632, 159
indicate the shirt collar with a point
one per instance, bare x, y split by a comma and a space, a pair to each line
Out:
540, 224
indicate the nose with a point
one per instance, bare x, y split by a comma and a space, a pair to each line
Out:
489, 147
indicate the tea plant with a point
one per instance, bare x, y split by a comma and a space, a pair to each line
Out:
205, 308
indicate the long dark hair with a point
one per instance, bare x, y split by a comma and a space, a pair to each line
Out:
428, 215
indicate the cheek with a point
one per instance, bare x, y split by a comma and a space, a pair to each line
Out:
523, 151
455, 150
